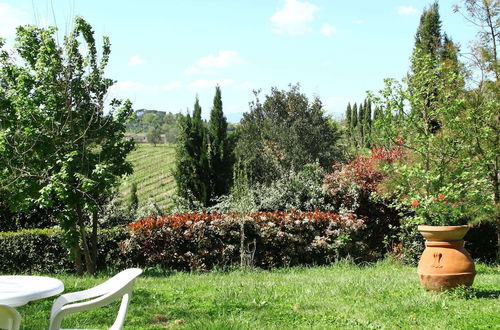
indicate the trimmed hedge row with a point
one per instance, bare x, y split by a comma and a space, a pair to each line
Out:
41, 251
198, 242
265, 239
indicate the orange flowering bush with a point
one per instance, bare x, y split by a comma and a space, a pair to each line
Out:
202, 241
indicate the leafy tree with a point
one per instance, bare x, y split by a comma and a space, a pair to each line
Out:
479, 131
154, 136
284, 133
57, 145
219, 149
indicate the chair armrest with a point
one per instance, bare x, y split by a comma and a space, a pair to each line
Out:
64, 299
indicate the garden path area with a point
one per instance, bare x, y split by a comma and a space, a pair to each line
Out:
384, 295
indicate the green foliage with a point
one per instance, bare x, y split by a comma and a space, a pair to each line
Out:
41, 251
284, 133
293, 191
56, 144
192, 172
133, 199
144, 121
154, 136
219, 153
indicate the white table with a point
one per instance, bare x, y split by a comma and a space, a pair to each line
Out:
19, 290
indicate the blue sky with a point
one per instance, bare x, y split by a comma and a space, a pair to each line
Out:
164, 53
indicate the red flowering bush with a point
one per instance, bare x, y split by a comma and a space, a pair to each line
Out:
438, 210
201, 241
352, 187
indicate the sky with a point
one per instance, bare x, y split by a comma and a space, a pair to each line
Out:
164, 53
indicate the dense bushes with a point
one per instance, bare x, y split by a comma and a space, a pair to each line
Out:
40, 250
265, 239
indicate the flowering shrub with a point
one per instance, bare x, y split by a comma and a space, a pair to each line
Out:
201, 241
438, 210
353, 186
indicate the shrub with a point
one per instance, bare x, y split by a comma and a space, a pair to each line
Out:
353, 187
41, 251
202, 241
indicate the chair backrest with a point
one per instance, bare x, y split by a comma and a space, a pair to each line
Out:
9, 318
119, 286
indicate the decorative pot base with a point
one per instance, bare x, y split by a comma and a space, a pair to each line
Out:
445, 264
446, 281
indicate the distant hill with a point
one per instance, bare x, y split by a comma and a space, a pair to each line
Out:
153, 174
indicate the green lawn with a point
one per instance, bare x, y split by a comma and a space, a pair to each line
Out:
339, 296
153, 168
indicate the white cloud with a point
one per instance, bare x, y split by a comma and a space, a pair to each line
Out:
294, 17
209, 83
407, 10
10, 19
128, 86
359, 22
136, 60
223, 59
329, 30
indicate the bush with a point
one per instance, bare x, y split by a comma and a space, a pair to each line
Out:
202, 241
41, 251
354, 186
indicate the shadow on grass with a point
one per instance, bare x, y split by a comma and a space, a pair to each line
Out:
473, 293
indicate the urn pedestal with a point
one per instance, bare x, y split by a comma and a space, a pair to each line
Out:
445, 263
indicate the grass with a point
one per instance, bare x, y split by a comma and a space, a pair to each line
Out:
384, 295
153, 168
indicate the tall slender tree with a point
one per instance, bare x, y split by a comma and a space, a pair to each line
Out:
348, 120
192, 173
219, 151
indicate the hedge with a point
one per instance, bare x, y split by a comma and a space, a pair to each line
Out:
41, 251
201, 242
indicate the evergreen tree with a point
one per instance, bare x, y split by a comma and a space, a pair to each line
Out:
428, 36
361, 125
354, 124
348, 119
219, 152
368, 122
200, 155
192, 173
133, 201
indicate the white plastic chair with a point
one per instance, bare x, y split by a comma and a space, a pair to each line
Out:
9, 318
119, 286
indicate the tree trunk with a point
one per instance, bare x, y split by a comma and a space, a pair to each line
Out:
89, 262
94, 238
78, 259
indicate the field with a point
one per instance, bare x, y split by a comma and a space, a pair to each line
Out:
153, 168
380, 296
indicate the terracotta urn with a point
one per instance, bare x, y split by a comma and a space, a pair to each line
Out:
445, 263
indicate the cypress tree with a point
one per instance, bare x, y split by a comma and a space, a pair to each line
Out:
361, 124
133, 199
219, 160
200, 147
192, 173
354, 124
428, 36
185, 167
368, 122
348, 118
